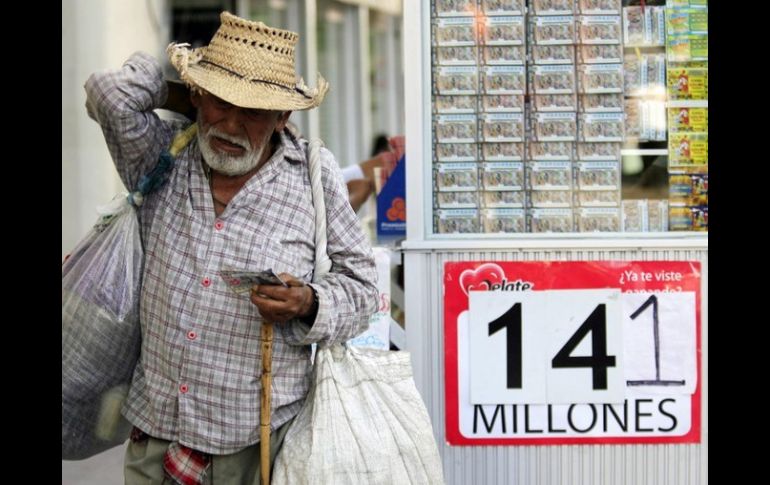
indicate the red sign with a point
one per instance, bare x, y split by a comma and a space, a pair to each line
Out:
620, 338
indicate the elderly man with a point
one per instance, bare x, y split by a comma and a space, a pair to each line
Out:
237, 197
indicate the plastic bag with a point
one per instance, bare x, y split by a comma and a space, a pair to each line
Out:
101, 336
363, 422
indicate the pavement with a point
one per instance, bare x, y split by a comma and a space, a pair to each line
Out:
106, 468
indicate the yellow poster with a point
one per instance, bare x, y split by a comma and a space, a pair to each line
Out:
688, 149
688, 120
687, 82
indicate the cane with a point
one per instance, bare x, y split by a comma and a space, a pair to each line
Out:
323, 265
264, 418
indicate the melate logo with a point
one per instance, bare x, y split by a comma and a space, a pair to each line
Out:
490, 277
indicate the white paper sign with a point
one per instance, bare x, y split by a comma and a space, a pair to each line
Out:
659, 334
555, 346
506, 347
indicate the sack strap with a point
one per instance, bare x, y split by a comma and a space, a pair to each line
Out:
322, 262
152, 180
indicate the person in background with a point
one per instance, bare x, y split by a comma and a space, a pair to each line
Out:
361, 179
381, 144
236, 197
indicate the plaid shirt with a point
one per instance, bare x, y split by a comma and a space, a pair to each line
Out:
198, 378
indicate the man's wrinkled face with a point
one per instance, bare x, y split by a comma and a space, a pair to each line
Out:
234, 140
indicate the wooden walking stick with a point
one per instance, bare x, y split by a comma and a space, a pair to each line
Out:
264, 414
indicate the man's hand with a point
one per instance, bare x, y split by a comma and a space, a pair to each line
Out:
279, 304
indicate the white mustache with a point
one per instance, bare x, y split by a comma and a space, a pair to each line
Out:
236, 140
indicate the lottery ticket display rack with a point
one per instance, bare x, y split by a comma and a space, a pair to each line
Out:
620, 394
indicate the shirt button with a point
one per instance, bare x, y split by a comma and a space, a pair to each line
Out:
183, 388
206, 282
191, 335
219, 225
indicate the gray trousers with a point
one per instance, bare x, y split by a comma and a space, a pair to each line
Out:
144, 462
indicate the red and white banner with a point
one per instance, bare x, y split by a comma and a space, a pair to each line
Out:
572, 352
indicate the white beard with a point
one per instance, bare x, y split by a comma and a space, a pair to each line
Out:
225, 163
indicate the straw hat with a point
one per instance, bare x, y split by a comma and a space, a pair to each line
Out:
248, 64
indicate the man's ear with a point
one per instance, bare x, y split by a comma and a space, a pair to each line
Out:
283, 118
195, 98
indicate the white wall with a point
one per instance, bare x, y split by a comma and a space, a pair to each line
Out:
96, 34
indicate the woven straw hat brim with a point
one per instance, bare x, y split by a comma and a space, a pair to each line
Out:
249, 94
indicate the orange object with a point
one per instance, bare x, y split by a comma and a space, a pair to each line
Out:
397, 211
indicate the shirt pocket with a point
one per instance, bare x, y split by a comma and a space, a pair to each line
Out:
296, 245
295, 255
282, 256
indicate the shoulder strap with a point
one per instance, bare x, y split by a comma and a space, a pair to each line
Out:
322, 262
152, 180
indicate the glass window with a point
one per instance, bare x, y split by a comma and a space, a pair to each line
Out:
591, 117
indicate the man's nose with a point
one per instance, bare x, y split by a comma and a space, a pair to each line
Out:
232, 121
